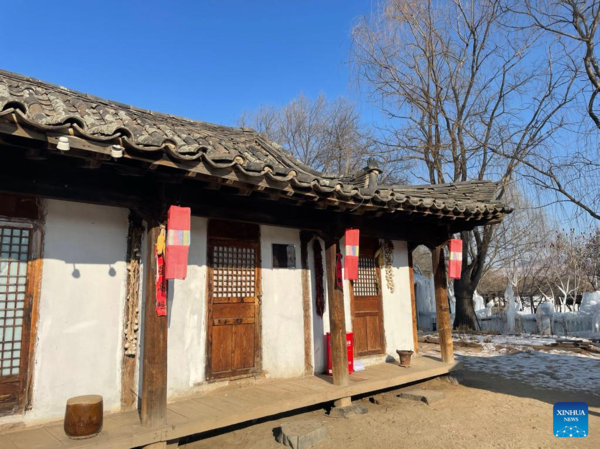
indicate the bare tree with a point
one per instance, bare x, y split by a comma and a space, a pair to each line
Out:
571, 173
464, 101
519, 250
565, 276
590, 256
555, 264
568, 175
576, 23
325, 135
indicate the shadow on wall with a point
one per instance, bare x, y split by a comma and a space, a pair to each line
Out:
75, 233
77, 274
84, 234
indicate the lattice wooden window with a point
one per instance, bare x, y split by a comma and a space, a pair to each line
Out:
367, 283
13, 282
234, 272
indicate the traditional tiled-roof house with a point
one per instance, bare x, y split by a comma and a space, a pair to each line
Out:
84, 187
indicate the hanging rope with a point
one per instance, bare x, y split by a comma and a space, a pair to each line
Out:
319, 273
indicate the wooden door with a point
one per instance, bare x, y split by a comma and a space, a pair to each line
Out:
233, 298
367, 313
17, 283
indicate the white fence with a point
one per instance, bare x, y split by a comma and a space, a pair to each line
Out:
567, 324
585, 322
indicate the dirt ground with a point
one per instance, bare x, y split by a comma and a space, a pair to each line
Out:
484, 411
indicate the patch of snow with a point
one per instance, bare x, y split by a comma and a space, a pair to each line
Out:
555, 369
511, 340
513, 357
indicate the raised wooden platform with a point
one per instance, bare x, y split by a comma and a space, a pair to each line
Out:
226, 407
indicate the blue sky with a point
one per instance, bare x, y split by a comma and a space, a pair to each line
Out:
206, 59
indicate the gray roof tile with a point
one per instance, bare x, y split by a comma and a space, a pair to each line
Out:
49, 107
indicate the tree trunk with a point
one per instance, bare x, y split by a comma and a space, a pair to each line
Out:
472, 270
465, 311
532, 305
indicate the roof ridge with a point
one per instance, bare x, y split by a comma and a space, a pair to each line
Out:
35, 103
58, 87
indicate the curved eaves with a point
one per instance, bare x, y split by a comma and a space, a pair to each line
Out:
50, 108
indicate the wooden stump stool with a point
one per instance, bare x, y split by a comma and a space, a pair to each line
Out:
83, 416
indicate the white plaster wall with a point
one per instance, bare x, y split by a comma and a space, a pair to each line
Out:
282, 314
80, 325
83, 293
397, 308
320, 325
187, 318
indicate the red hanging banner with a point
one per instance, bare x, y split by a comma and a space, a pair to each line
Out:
178, 242
161, 284
351, 267
455, 263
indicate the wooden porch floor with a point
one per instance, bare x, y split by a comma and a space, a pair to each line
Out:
225, 407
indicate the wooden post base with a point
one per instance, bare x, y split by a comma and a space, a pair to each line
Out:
344, 402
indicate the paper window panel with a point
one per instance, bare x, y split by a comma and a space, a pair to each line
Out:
14, 253
234, 271
367, 283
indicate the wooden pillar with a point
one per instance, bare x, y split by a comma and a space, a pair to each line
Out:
154, 362
441, 303
337, 317
413, 299
305, 238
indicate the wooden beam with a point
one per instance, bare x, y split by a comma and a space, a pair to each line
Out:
441, 303
19, 137
305, 238
61, 177
413, 299
154, 359
337, 317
